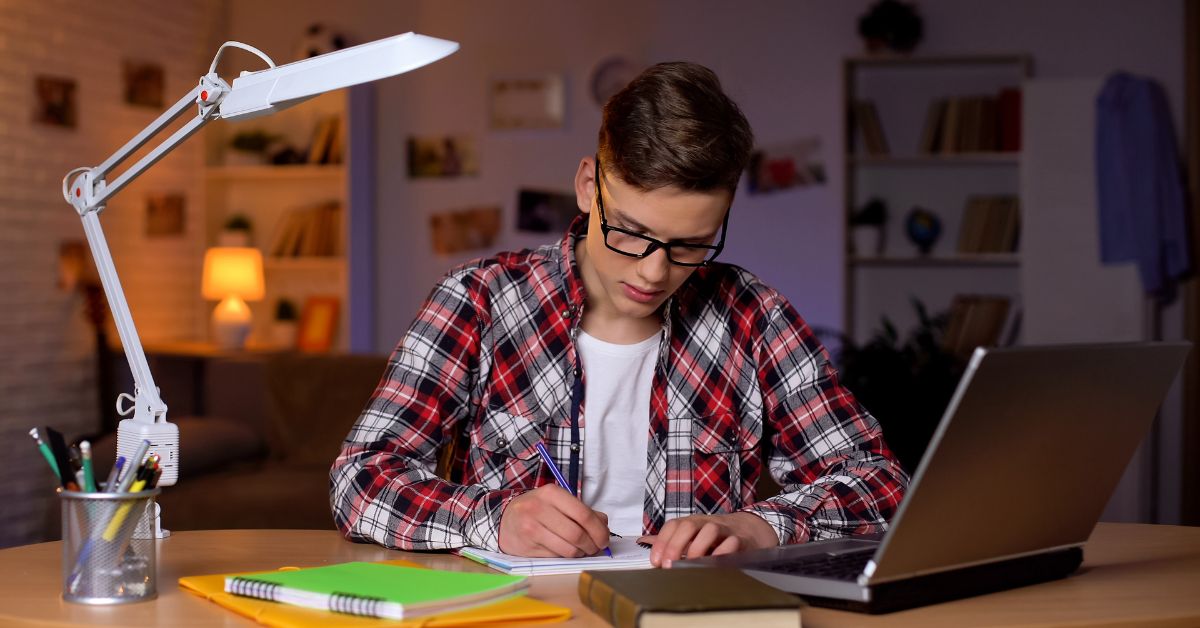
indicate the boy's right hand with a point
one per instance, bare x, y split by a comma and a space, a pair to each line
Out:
549, 521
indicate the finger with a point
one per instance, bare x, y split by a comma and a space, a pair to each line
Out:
708, 536
685, 531
587, 519
728, 546
569, 530
659, 544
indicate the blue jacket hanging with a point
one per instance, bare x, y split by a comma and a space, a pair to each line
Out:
1139, 179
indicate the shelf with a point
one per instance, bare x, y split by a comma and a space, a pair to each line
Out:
304, 263
275, 173
948, 159
958, 261
942, 60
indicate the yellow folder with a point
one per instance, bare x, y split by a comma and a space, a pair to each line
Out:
521, 610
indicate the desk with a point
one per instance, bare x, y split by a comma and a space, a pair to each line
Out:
1131, 575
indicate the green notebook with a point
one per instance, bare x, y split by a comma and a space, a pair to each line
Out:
377, 589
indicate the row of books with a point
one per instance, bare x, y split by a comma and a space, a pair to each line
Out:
327, 141
990, 224
970, 124
308, 232
975, 321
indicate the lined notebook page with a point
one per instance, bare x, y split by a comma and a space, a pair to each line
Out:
627, 554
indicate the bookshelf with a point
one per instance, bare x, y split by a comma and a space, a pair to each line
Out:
902, 146
289, 204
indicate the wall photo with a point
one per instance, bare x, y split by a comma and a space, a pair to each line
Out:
165, 214
788, 165
445, 156
144, 83
532, 102
54, 103
540, 211
464, 230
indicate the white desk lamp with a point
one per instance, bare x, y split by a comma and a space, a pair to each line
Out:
252, 94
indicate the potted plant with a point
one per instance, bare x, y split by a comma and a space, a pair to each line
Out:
284, 330
867, 229
237, 231
249, 147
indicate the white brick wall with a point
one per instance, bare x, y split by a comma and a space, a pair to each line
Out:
47, 373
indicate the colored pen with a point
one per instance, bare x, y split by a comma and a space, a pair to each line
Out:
111, 484
558, 477
133, 466
89, 474
46, 453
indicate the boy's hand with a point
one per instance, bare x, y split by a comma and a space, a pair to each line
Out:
702, 535
549, 521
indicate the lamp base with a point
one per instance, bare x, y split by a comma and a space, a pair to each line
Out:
231, 323
230, 336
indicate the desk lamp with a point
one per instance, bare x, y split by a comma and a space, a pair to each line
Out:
250, 95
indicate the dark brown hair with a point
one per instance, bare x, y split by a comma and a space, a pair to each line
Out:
673, 126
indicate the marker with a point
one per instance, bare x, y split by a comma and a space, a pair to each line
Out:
46, 453
89, 474
558, 477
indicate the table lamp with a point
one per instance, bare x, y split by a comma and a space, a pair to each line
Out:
251, 94
232, 275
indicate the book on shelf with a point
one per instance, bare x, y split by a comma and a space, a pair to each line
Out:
325, 147
686, 597
975, 321
308, 232
978, 123
866, 118
990, 224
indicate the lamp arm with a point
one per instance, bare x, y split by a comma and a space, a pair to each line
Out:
87, 191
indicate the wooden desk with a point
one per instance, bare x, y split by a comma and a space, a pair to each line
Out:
1132, 575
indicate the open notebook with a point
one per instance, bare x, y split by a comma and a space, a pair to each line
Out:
627, 554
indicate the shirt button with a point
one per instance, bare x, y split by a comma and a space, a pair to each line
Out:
568, 313
502, 441
574, 447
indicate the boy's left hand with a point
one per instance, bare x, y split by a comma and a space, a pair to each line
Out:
702, 535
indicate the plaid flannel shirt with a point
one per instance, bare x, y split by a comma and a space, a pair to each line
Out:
490, 364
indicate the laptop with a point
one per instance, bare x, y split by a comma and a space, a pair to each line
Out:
1014, 479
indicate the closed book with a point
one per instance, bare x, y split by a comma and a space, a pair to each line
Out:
377, 589
686, 597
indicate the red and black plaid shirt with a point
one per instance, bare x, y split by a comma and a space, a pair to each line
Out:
490, 362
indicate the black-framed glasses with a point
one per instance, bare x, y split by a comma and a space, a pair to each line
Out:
632, 244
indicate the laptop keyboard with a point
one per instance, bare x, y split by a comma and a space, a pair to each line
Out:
843, 566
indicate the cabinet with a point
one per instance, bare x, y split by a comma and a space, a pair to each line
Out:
921, 167
309, 203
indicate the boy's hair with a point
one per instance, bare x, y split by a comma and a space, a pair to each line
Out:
673, 126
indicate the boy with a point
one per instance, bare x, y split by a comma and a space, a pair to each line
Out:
655, 376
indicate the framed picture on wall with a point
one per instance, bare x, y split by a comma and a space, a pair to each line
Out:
530, 102
318, 324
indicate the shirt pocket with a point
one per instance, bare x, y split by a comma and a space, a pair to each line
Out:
725, 463
503, 446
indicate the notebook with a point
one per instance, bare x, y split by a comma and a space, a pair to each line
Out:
513, 611
626, 554
377, 589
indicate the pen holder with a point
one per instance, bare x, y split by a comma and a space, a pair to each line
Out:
108, 547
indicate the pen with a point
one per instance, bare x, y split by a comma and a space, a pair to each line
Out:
46, 453
111, 484
134, 463
89, 474
558, 477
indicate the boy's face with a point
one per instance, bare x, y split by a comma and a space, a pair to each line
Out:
623, 287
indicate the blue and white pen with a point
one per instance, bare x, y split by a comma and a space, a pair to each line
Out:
558, 477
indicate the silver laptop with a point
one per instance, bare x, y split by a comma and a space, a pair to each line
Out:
1014, 479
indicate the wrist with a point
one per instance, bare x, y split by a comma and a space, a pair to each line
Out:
758, 531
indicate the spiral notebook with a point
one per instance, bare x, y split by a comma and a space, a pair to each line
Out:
377, 589
627, 554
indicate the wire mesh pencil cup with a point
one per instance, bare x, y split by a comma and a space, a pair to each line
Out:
108, 547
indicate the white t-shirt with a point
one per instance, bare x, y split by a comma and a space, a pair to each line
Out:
617, 422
